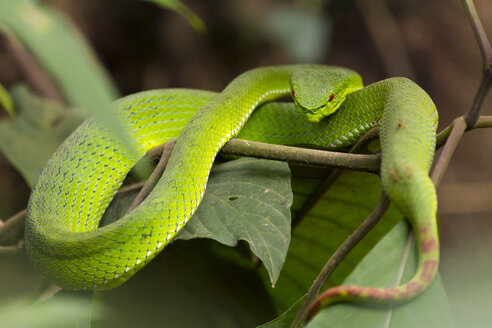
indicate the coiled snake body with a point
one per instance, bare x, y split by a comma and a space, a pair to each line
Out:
76, 186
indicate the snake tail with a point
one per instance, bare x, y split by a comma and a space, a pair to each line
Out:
405, 179
428, 249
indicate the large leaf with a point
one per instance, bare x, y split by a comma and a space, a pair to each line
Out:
246, 199
341, 210
381, 267
30, 137
190, 284
65, 56
376, 259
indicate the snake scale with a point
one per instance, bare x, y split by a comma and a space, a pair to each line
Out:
62, 234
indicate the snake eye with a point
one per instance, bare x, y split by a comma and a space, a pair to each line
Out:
293, 93
332, 96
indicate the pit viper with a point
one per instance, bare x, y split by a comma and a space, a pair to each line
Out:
62, 236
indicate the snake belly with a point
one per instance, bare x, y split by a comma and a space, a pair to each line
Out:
62, 234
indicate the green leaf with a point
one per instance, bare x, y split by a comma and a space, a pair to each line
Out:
184, 11
64, 55
381, 267
341, 210
286, 318
190, 284
246, 199
6, 101
375, 261
33, 134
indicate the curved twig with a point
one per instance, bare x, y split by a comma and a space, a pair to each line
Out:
479, 32
155, 176
457, 131
338, 256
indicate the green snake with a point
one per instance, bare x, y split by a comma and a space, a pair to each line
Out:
62, 234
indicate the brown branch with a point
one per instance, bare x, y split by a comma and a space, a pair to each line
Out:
458, 129
473, 113
166, 149
303, 156
132, 187
33, 73
482, 122
486, 52
296, 155
479, 32
338, 256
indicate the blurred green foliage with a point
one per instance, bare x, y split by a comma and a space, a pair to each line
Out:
184, 11
6, 101
38, 127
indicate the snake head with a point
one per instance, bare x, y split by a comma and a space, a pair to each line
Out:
319, 92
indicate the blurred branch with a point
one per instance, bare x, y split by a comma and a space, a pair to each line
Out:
386, 34
307, 309
5, 250
33, 73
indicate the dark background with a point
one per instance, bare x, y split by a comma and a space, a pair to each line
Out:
144, 47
